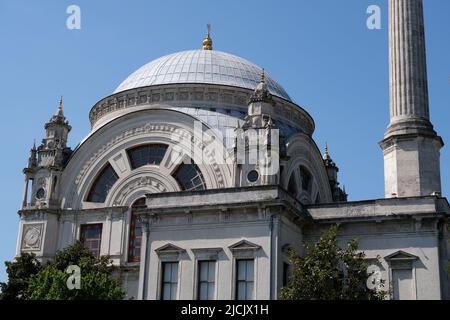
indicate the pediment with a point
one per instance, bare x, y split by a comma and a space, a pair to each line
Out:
401, 256
169, 249
244, 245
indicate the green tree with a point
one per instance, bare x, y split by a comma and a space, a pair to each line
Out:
97, 282
19, 271
327, 272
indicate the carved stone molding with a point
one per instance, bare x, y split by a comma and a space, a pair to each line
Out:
192, 96
157, 129
139, 183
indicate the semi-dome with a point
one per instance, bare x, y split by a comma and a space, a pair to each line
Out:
201, 66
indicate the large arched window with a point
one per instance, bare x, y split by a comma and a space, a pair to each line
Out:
149, 154
300, 185
292, 186
135, 240
104, 182
189, 177
306, 180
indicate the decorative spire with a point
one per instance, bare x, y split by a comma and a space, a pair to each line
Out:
263, 76
326, 155
207, 42
59, 113
32, 160
261, 93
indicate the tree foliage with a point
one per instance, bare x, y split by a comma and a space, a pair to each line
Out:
328, 272
29, 280
19, 271
97, 282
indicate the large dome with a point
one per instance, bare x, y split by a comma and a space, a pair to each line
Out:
200, 66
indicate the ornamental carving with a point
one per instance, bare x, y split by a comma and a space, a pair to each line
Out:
207, 94
145, 129
32, 236
141, 182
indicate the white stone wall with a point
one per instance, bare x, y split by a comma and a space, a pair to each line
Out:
204, 237
382, 239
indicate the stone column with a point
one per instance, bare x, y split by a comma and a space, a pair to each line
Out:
25, 193
144, 263
411, 147
407, 59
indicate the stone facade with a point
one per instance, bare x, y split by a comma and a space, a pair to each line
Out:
217, 227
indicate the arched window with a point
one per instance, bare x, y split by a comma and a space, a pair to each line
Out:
189, 177
292, 186
134, 244
149, 154
104, 182
306, 180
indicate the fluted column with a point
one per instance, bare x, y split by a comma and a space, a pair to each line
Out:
411, 147
407, 65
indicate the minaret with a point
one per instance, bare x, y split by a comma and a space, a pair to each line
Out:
411, 147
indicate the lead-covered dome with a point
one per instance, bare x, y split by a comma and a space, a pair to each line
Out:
201, 66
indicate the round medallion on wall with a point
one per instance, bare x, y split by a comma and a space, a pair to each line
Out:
253, 176
32, 236
40, 194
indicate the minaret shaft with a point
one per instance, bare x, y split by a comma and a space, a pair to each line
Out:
411, 147
408, 70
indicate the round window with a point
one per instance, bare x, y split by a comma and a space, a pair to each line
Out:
40, 194
253, 176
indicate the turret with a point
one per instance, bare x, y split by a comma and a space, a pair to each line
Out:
332, 172
258, 142
45, 163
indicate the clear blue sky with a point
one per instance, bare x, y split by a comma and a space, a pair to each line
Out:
319, 50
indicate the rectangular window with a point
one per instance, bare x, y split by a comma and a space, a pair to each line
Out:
244, 279
206, 280
169, 281
91, 237
402, 282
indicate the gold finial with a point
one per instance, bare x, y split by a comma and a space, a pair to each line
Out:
207, 42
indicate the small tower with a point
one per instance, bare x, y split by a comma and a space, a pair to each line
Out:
258, 142
45, 163
338, 194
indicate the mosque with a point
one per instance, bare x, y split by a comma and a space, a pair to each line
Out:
200, 172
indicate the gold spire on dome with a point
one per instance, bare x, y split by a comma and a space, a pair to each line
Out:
207, 42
